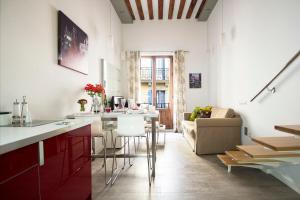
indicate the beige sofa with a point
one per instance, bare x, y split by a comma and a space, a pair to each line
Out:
217, 134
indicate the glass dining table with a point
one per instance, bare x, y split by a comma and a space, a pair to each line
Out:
113, 116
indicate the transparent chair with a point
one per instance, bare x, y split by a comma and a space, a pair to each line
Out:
160, 128
130, 126
97, 131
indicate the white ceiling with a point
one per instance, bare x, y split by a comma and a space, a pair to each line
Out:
166, 9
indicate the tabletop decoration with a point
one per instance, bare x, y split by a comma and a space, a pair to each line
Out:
96, 92
82, 102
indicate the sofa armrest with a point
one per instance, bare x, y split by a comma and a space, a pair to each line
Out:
186, 116
218, 122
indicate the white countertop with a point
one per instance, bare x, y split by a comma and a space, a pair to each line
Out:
12, 138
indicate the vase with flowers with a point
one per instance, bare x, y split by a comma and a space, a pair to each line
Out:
96, 92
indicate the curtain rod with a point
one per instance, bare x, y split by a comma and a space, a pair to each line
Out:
162, 51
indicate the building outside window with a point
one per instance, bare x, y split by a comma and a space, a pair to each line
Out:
160, 66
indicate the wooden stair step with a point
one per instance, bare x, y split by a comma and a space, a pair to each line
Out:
289, 143
226, 160
244, 158
258, 151
293, 129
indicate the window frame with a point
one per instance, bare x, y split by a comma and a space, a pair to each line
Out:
153, 81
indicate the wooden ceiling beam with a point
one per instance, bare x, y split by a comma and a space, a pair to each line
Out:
191, 9
160, 9
180, 10
128, 5
140, 9
171, 9
201, 8
150, 9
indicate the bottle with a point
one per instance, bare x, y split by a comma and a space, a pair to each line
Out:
24, 110
16, 112
105, 101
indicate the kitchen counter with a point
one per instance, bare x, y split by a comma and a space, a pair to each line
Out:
12, 138
55, 157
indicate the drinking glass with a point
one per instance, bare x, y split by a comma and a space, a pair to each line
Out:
116, 105
151, 108
107, 109
131, 103
123, 102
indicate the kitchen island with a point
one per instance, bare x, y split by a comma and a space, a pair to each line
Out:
50, 161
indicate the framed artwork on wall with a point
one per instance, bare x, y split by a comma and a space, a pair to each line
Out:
195, 80
72, 45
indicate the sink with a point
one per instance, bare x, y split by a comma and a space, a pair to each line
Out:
32, 124
63, 123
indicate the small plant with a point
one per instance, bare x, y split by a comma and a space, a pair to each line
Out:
82, 102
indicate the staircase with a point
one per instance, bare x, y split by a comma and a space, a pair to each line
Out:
267, 152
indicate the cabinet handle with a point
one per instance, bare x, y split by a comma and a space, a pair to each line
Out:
41, 153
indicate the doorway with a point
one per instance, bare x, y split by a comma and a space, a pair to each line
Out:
157, 86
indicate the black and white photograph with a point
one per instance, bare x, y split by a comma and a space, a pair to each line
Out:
195, 80
72, 45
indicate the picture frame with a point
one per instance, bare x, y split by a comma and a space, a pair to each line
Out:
195, 80
72, 45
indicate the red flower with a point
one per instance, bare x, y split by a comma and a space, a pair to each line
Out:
94, 89
89, 87
99, 88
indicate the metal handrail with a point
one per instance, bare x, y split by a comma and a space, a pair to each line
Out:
159, 105
281, 71
162, 74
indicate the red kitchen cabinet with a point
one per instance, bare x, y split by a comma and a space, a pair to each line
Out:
66, 173
19, 178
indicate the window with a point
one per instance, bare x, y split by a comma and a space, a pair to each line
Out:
155, 83
160, 98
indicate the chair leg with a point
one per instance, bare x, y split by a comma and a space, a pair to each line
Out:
165, 137
135, 149
134, 143
149, 149
157, 136
124, 140
112, 167
105, 170
112, 143
94, 149
104, 147
130, 164
139, 140
148, 159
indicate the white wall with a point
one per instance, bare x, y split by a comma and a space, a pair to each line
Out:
259, 37
28, 41
170, 36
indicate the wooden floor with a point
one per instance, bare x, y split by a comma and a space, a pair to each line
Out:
184, 176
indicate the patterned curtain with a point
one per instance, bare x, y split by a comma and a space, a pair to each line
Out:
179, 89
133, 59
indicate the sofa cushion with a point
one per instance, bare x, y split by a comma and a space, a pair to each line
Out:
222, 113
194, 115
200, 112
189, 127
204, 114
